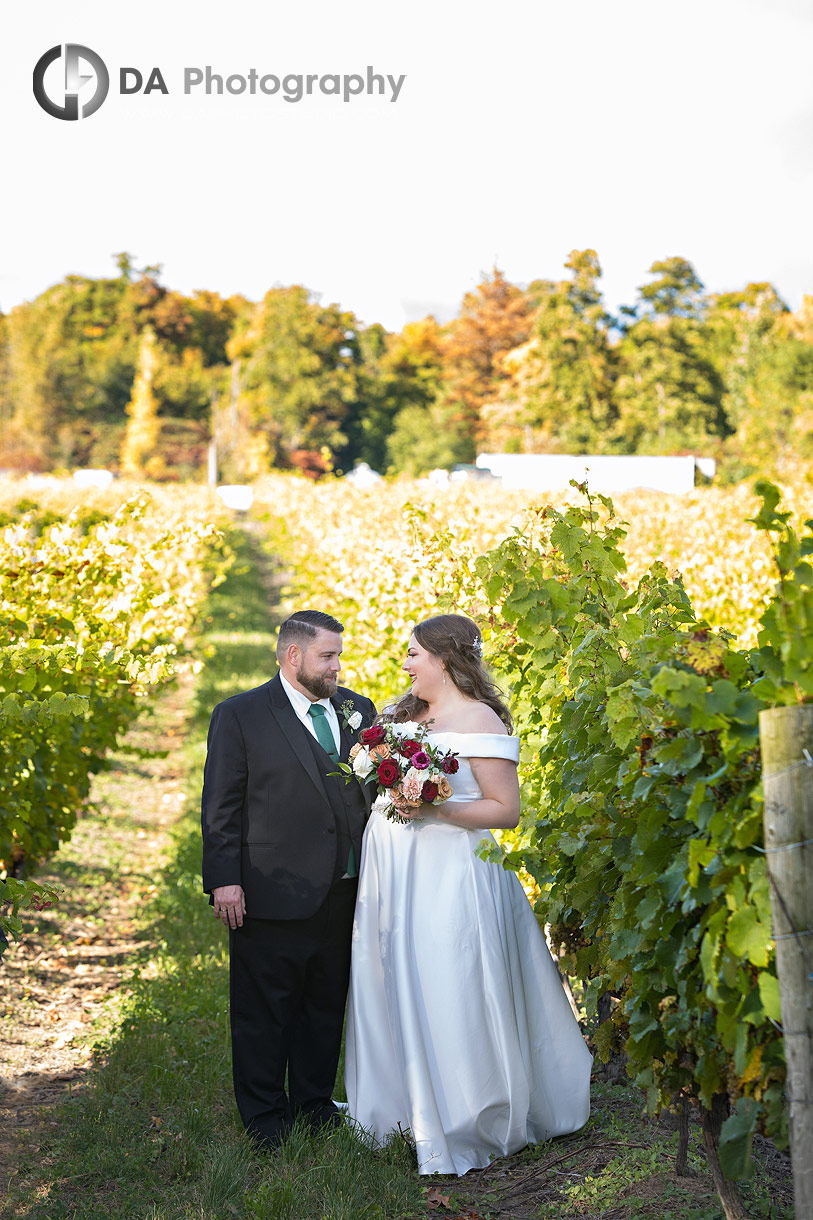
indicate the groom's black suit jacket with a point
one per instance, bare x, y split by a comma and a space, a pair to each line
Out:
273, 819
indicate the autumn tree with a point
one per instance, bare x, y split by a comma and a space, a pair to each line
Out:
493, 320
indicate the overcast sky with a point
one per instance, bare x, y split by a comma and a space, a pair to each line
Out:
523, 129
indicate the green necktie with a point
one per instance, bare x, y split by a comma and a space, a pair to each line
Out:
324, 733
324, 736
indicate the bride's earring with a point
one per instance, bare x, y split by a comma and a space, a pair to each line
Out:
444, 677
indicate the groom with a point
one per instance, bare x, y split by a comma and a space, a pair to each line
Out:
281, 846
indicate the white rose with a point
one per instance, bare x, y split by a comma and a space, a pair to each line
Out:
354, 721
362, 763
409, 728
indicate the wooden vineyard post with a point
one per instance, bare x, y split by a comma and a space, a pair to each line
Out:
786, 740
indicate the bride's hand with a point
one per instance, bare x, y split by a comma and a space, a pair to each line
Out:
411, 812
425, 812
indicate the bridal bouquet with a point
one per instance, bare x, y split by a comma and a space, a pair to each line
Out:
406, 768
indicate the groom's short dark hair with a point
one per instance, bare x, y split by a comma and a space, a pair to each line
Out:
301, 627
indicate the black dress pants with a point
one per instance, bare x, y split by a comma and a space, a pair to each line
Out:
288, 989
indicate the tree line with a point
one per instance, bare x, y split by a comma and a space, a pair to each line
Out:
126, 373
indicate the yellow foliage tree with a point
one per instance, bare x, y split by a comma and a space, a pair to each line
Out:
139, 454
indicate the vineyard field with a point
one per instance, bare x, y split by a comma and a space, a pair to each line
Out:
636, 640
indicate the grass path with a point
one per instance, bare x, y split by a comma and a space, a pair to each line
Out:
117, 1098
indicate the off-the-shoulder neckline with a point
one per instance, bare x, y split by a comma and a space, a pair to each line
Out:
457, 733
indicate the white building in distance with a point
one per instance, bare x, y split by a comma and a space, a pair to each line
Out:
601, 472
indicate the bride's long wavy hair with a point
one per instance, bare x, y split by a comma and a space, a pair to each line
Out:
457, 642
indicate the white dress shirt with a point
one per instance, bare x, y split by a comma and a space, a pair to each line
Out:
300, 703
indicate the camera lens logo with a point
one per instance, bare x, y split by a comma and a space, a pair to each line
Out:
74, 81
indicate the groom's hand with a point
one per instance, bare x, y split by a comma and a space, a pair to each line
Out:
230, 904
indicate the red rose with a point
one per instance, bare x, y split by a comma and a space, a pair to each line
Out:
450, 764
388, 772
409, 747
373, 735
429, 791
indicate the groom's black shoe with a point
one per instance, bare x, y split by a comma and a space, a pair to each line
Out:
270, 1138
323, 1117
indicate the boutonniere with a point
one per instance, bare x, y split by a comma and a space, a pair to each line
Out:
351, 719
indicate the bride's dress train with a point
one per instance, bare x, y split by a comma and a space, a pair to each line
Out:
458, 1027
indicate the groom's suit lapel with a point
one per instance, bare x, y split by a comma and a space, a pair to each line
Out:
295, 732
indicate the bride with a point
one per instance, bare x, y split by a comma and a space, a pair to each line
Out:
458, 1027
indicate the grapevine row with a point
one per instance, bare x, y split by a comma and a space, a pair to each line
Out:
95, 613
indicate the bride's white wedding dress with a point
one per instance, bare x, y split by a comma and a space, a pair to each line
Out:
458, 1028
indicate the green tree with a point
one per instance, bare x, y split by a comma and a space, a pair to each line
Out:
424, 438
399, 377
212, 320
299, 371
765, 358
560, 395
66, 363
668, 393
369, 419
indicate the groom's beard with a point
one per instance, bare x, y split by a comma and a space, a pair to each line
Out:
317, 684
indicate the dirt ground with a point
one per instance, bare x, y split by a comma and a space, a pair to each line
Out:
554, 1183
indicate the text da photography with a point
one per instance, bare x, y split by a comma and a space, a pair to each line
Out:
294, 86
